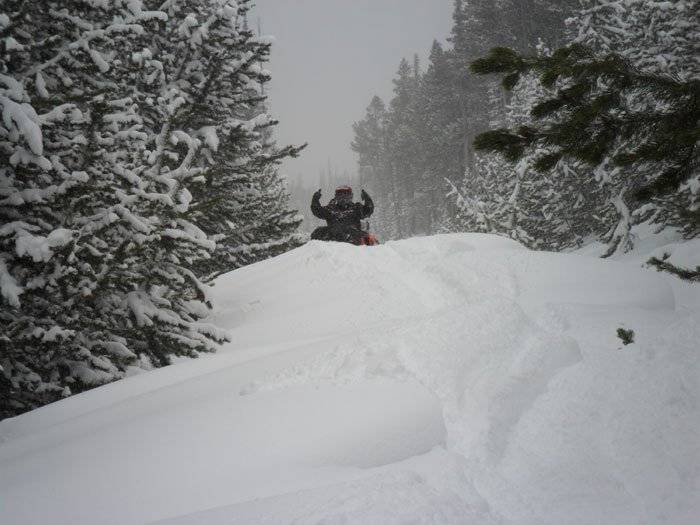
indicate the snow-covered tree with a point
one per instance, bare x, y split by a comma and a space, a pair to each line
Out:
551, 211
238, 197
635, 130
80, 302
370, 143
429, 134
658, 38
391, 154
439, 134
113, 112
404, 148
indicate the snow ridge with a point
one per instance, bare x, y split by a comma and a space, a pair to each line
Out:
447, 379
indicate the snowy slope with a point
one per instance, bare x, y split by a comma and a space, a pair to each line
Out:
448, 379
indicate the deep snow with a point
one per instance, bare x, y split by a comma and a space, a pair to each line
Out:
446, 379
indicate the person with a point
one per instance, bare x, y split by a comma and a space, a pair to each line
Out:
343, 216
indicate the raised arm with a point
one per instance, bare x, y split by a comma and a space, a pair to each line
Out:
367, 206
316, 208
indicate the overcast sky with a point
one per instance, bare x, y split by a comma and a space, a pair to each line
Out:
330, 57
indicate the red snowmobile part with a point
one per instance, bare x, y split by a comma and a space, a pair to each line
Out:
369, 240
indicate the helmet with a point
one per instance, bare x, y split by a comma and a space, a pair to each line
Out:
343, 194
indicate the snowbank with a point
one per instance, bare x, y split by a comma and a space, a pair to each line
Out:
667, 244
446, 379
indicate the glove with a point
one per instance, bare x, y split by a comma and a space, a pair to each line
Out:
364, 195
317, 195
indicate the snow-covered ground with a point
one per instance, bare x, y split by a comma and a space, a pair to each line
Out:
450, 379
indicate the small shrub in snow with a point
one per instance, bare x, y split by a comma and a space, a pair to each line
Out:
626, 336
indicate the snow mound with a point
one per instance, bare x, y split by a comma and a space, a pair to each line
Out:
446, 379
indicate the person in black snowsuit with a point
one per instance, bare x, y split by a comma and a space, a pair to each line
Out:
342, 216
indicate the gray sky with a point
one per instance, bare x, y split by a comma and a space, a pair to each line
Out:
330, 57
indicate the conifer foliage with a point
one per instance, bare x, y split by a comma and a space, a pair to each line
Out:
628, 120
436, 111
580, 144
113, 114
598, 108
238, 197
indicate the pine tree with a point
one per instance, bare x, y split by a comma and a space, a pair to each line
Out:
370, 143
429, 133
552, 211
439, 134
80, 215
404, 151
606, 114
480, 25
571, 202
659, 38
238, 197
109, 123
391, 154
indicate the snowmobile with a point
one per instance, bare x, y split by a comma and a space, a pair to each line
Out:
347, 234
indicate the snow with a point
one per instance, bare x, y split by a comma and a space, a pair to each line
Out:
9, 288
211, 139
652, 241
41, 85
22, 119
437, 380
98, 59
53, 333
40, 248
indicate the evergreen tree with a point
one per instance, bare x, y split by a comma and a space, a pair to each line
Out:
402, 141
572, 202
435, 115
659, 38
238, 197
391, 154
480, 25
553, 211
606, 114
114, 117
94, 261
370, 143
654, 36
439, 135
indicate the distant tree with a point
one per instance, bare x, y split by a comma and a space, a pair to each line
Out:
439, 133
390, 154
435, 115
405, 151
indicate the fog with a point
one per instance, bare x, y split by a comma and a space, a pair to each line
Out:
329, 58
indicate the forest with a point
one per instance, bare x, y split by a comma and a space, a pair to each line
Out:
554, 123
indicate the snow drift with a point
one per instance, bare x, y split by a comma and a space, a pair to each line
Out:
447, 379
